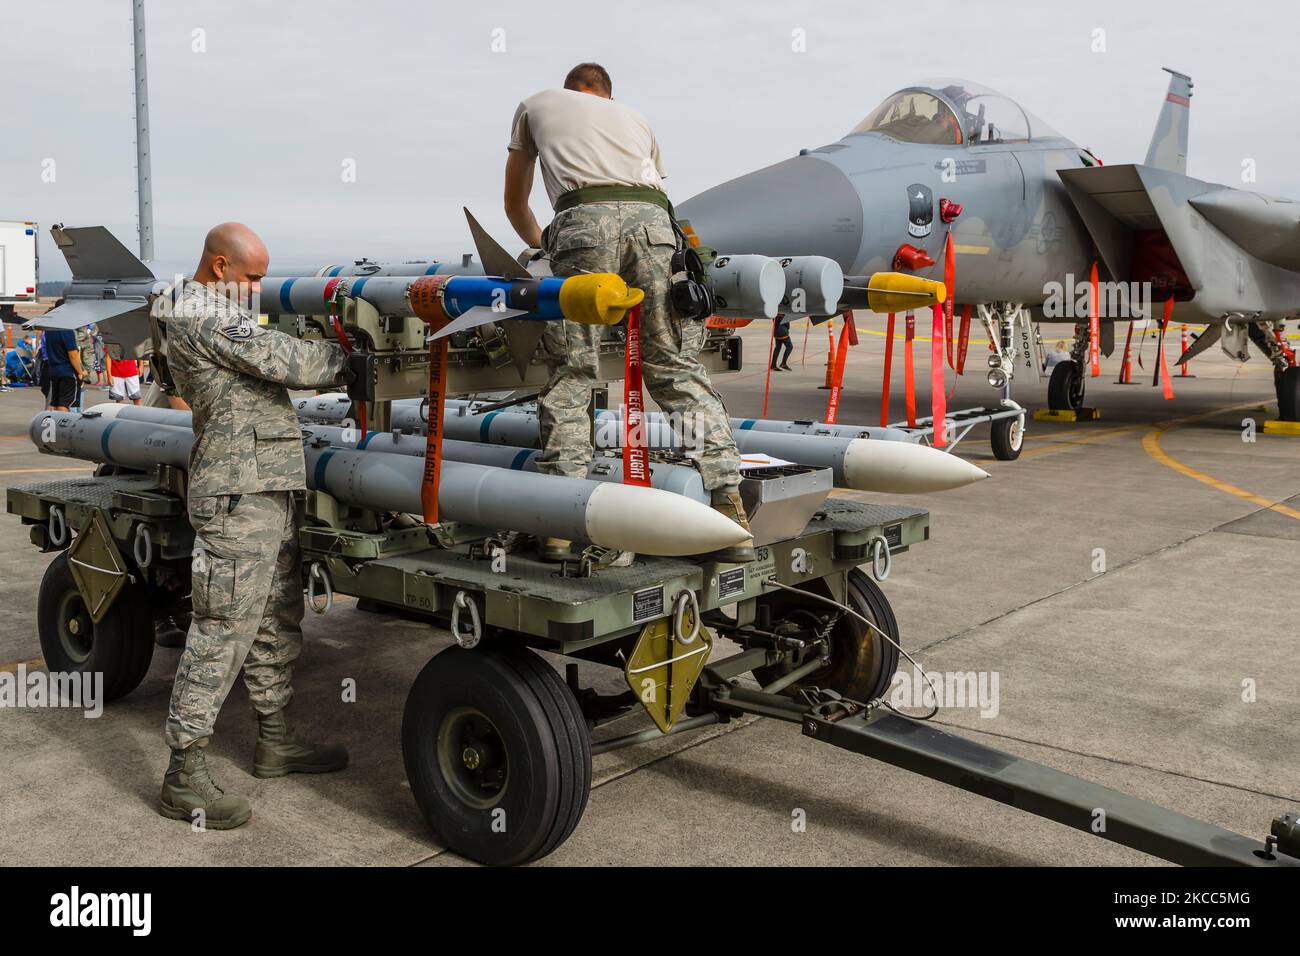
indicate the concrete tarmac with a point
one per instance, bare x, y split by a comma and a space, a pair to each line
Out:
1126, 580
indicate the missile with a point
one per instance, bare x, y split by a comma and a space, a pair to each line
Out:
141, 413
462, 302
858, 458
747, 285
416, 267
629, 518
678, 479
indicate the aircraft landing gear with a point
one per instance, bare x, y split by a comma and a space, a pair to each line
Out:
1286, 377
1065, 389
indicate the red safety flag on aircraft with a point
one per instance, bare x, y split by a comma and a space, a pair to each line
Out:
949, 303
963, 339
1163, 371
909, 375
1094, 323
636, 457
837, 379
889, 365
938, 400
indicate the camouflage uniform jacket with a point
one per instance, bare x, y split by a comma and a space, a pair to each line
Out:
235, 375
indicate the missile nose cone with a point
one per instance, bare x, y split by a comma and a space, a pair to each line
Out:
902, 468
651, 521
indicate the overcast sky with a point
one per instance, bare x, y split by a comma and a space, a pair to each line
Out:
255, 107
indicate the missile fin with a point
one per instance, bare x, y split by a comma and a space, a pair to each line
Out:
522, 339
472, 319
496, 261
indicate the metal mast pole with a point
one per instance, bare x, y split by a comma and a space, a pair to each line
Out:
144, 187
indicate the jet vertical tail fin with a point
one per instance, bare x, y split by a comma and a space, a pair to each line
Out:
1168, 148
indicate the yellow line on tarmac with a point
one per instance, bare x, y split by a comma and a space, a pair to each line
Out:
1151, 445
12, 666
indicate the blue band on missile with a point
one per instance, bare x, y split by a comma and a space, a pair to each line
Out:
285, 286
103, 441
432, 270
357, 286
484, 427
748, 423
361, 445
334, 272
318, 473
521, 459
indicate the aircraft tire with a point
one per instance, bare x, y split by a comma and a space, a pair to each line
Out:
1066, 387
1288, 394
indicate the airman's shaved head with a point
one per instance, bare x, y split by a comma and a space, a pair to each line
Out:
234, 256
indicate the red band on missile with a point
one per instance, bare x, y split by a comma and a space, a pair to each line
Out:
636, 457
425, 295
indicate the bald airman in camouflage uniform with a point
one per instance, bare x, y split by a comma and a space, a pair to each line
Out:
245, 466
601, 165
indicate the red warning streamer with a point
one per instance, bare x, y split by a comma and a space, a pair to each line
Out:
1094, 323
837, 380
1163, 371
963, 340
636, 459
909, 372
938, 400
771, 352
889, 365
949, 303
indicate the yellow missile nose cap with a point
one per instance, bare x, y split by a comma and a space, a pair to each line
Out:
897, 292
598, 299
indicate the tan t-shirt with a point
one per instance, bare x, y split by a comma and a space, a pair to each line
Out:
586, 140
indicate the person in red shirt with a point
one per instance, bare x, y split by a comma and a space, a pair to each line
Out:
124, 380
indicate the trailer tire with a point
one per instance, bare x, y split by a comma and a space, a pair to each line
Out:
120, 646
1007, 437
1065, 389
862, 662
497, 753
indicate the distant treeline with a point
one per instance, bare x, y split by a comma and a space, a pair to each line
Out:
51, 288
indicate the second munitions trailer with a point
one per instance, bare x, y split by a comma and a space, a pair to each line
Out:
497, 745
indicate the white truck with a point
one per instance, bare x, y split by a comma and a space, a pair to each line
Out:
18, 265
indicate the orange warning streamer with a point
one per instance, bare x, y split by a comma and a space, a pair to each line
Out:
938, 400
889, 364
837, 380
1094, 323
909, 373
1163, 371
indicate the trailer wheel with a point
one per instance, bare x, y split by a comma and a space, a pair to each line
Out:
862, 662
1066, 386
1288, 394
1007, 437
120, 646
497, 753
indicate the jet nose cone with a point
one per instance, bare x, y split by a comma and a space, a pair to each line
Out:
801, 206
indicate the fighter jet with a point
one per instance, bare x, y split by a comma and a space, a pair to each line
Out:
1030, 212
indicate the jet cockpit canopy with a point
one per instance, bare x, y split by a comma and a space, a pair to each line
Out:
950, 112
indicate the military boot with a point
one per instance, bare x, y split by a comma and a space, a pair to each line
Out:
727, 502
279, 751
187, 787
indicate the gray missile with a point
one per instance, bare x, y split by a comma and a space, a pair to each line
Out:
678, 479
812, 285
747, 285
141, 413
628, 518
859, 459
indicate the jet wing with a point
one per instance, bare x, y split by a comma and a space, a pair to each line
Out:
78, 313
1265, 226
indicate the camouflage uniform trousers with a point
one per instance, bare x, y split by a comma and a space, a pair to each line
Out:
248, 608
635, 240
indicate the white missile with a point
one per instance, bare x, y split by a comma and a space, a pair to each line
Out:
628, 518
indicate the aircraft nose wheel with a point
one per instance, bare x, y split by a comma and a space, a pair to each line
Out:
1007, 436
497, 753
1066, 387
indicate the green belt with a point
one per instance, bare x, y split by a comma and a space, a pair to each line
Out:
586, 194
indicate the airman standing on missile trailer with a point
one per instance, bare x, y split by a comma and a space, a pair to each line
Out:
601, 165
245, 465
